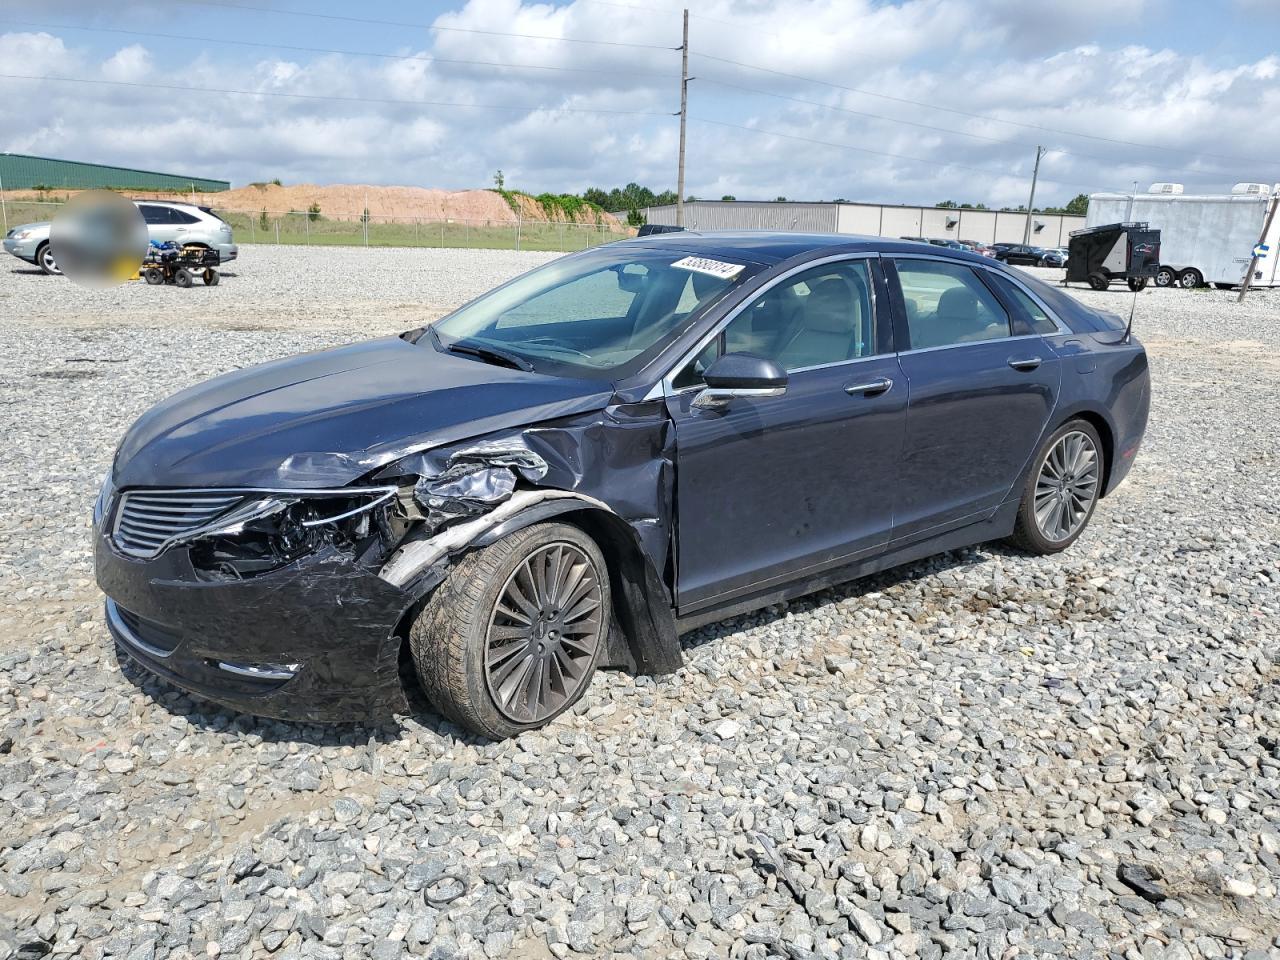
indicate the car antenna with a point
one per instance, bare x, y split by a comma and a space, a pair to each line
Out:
1133, 305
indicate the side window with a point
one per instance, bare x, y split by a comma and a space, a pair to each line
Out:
1030, 316
948, 304
181, 216
823, 315
154, 215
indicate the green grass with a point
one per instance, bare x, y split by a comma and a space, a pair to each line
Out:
324, 232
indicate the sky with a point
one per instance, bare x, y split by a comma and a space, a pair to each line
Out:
898, 102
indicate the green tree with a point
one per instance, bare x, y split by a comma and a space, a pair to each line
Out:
1078, 205
728, 196
635, 218
499, 180
313, 212
949, 205
779, 199
263, 222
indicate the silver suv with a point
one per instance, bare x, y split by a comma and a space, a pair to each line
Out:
182, 222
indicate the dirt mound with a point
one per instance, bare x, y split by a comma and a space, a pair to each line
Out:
348, 201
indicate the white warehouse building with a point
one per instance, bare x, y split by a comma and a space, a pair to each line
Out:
870, 219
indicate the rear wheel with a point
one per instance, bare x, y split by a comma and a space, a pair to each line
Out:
182, 277
1190, 278
1166, 277
1099, 281
1062, 489
511, 639
44, 257
153, 276
210, 277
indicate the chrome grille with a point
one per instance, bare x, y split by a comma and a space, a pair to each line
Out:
148, 521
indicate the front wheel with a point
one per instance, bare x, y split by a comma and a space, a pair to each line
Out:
1061, 491
1166, 277
511, 639
44, 257
1137, 283
182, 277
1099, 281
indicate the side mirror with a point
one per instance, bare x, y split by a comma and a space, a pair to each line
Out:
740, 375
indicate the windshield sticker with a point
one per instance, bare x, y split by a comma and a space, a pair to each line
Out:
717, 268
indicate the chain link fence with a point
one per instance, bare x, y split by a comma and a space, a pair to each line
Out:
294, 227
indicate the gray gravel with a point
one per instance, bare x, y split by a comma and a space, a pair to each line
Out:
985, 754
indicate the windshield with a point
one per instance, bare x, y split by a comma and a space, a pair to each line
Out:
595, 314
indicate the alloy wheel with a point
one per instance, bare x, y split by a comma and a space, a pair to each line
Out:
1066, 487
47, 262
544, 633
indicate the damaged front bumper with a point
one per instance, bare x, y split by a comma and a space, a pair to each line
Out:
315, 641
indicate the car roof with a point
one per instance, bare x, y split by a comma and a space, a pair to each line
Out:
768, 247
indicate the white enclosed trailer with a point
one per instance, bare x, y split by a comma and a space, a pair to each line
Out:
1203, 239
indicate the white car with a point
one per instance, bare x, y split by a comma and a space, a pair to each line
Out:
166, 220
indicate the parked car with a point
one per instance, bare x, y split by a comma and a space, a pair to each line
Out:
1020, 254
947, 242
184, 223
974, 246
618, 446
1053, 257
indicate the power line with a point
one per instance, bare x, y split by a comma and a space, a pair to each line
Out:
330, 50
332, 97
883, 153
223, 4
978, 116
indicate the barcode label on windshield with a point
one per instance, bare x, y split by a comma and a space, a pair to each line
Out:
717, 268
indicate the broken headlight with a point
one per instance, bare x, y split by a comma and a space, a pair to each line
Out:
264, 535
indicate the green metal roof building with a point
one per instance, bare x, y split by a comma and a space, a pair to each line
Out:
19, 171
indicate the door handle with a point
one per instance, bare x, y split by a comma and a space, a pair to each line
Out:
871, 387
1030, 363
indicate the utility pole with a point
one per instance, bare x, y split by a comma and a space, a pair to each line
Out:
1031, 204
684, 116
1253, 261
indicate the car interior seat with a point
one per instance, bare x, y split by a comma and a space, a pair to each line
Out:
826, 328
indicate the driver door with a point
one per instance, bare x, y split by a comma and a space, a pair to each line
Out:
772, 489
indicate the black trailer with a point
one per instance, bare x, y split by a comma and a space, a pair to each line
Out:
1113, 251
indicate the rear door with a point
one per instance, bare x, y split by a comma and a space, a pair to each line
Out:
981, 396
773, 489
160, 226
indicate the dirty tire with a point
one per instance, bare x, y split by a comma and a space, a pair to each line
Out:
210, 277
1099, 281
153, 276
449, 637
1026, 532
182, 277
1137, 283
44, 257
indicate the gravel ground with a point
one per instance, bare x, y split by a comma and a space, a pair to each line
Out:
985, 754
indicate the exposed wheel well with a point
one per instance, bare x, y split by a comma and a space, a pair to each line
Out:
641, 600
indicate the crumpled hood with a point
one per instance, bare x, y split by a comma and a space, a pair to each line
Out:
324, 419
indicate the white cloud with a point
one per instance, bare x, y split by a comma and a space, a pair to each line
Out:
1006, 60
131, 64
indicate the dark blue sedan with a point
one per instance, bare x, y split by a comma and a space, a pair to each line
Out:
621, 445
